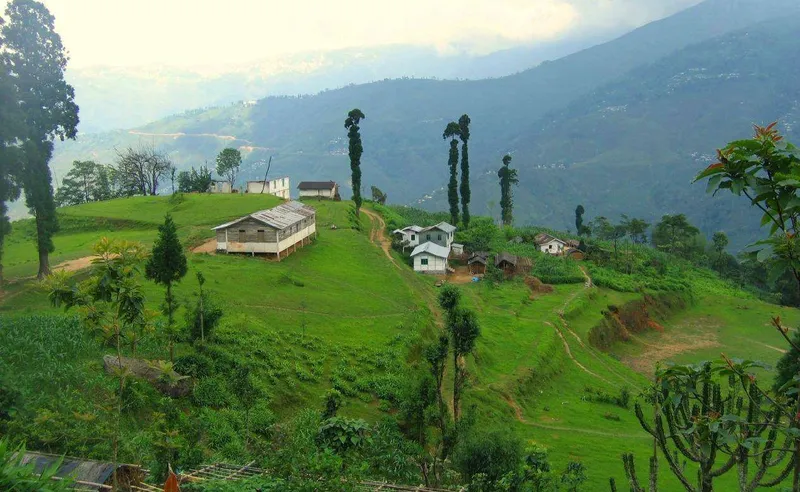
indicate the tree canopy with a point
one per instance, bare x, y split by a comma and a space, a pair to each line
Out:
228, 163
676, 235
355, 150
452, 131
464, 189
507, 177
37, 60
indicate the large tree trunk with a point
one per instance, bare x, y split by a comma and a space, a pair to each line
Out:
44, 264
39, 199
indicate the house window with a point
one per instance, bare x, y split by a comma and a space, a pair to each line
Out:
242, 236
428, 236
413, 237
423, 262
440, 237
261, 236
550, 246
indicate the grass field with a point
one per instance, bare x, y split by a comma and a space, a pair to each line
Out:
338, 314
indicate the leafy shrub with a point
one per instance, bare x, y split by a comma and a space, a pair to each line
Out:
194, 365
333, 402
343, 434
211, 315
623, 400
137, 395
262, 419
212, 392
480, 236
493, 454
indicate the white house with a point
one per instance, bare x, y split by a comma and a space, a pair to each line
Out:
276, 186
430, 258
409, 235
441, 234
218, 186
549, 244
318, 189
272, 232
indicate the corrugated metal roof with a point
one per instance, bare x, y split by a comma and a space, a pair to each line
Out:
442, 226
432, 248
316, 185
280, 217
545, 238
91, 474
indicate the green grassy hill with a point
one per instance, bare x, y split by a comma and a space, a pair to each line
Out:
338, 314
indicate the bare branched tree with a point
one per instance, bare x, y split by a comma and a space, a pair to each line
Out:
142, 168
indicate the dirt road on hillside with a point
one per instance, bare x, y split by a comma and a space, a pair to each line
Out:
378, 234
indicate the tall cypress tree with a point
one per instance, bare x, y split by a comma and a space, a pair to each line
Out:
579, 211
37, 60
166, 266
354, 117
466, 194
507, 177
452, 131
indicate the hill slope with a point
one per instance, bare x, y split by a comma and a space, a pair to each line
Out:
338, 314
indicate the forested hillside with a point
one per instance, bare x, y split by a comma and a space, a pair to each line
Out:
635, 144
404, 154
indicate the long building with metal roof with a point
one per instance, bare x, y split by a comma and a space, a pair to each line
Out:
274, 231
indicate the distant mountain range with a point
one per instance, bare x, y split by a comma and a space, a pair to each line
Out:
619, 127
142, 95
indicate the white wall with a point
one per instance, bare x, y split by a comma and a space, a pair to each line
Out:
552, 247
435, 264
256, 247
220, 187
279, 187
318, 193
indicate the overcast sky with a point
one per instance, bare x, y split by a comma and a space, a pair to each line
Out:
186, 33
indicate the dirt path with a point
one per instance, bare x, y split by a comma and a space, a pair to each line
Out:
74, 265
588, 284
208, 247
572, 357
520, 418
378, 234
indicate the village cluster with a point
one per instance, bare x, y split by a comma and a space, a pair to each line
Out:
434, 246
277, 232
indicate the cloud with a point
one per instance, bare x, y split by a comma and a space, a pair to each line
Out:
224, 32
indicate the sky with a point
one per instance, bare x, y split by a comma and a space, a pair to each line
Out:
195, 33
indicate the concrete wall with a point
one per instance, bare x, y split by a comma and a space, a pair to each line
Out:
318, 193
435, 264
220, 187
245, 237
279, 187
436, 236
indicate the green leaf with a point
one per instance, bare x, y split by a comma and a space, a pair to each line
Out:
713, 183
764, 254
